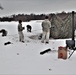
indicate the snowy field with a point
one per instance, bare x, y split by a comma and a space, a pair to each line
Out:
24, 58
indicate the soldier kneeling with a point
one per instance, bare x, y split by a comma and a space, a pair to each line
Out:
29, 28
4, 32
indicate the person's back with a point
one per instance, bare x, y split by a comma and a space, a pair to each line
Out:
46, 25
29, 28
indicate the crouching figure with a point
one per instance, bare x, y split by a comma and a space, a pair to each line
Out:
4, 32
29, 28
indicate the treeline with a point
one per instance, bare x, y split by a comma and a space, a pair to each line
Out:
26, 17
23, 17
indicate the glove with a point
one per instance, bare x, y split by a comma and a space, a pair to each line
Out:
23, 27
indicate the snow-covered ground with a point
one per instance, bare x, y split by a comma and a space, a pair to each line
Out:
24, 58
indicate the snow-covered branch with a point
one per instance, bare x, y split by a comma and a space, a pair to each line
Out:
1, 7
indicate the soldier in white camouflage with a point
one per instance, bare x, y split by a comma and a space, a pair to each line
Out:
46, 25
20, 29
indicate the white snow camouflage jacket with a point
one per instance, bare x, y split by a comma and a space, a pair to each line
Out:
46, 25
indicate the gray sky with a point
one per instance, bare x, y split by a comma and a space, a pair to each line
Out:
36, 6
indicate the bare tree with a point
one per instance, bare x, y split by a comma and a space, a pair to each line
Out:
1, 7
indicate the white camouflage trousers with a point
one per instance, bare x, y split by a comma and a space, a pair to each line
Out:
21, 36
45, 36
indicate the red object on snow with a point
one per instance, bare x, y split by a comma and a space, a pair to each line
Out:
62, 52
61, 55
